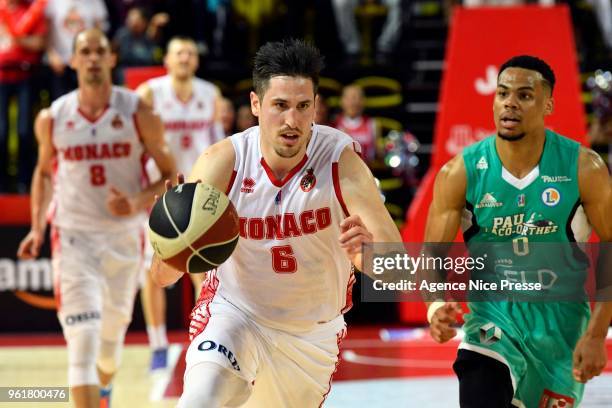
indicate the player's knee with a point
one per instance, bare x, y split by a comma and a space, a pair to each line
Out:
114, 326
210, 385
82, 347
109, 358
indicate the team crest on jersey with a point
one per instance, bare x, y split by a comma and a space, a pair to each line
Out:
200, 105
117, 123
248, 185
553, 400
70, 125
308, 180
551, 196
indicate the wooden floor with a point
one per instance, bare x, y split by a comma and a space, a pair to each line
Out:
46, 366
379, 368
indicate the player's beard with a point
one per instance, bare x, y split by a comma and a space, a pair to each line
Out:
511, 138
94, 79
287, 152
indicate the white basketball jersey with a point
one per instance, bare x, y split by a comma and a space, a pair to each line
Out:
189, 126
288, 270
93, 155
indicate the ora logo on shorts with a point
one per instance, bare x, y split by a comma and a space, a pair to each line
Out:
208, 345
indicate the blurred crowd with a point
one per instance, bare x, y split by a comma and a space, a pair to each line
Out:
36, 40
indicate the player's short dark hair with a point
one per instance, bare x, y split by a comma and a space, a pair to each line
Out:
533, 64
180, 38
289, 57
87, 30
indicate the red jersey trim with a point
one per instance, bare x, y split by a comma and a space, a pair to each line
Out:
339, 337
292, 172
336, 180
146, 181
200, 315
182, 102
91, 119
56, 251
138, 131
51, 123
231, 182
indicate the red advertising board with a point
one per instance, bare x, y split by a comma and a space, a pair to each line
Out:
480, 40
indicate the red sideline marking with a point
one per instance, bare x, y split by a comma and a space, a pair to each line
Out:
56, 339
15, 209
175, 386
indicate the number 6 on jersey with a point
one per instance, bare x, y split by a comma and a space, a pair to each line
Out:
283, 260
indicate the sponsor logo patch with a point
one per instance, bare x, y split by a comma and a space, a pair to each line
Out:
551, 196
550, 399
488, 201
555, 179
482, 164
490, 333
248, 185
209, 345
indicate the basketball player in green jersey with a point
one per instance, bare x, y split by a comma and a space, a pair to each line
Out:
535, 354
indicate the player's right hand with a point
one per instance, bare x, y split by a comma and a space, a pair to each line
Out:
168, 183
442, 322
29, 248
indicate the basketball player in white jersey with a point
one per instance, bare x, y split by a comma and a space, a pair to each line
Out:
267, 328
187, 106
91, 143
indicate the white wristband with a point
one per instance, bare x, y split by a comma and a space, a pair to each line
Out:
435, 305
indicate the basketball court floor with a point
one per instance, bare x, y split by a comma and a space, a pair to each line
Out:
380, 368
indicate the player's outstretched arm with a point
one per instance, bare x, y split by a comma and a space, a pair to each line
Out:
596, 195
368, 220
41, 189
214, 166
152, 133
443, 221
146, 94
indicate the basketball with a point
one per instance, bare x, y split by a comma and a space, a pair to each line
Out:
193, 227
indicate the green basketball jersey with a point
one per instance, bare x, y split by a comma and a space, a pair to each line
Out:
522, 219
543, 206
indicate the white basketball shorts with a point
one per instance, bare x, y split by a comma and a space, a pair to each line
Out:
96, 278
283, 369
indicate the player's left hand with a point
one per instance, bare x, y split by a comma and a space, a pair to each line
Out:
119, 204
590, 358
353, 233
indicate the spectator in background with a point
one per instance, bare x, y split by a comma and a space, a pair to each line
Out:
603, 12
136, 43
353, 122
245, 118
66, 18
600, 133
227, 117
22, 40
321, 111
344, 11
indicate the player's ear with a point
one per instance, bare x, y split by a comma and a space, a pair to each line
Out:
549, 106
255, 103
